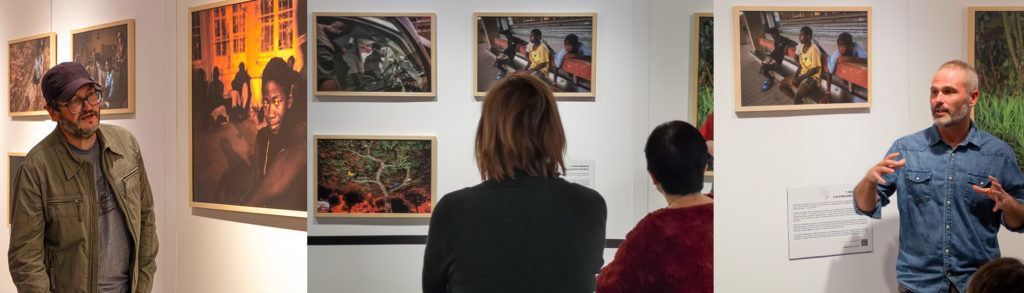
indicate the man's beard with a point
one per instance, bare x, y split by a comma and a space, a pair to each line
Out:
953, 116
75, 129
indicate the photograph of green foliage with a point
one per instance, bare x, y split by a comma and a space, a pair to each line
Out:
996, 43
703, 74
375, 176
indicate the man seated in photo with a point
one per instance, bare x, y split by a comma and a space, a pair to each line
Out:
774, 60
847, 52
808, 69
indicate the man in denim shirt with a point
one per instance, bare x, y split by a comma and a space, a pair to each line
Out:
955, 183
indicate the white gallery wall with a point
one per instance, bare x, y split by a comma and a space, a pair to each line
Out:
764, 154
602, 129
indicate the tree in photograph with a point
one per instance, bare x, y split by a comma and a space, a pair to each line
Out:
386, 166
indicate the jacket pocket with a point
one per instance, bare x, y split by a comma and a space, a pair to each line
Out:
132, 198
65, 227
918, 185
64, 208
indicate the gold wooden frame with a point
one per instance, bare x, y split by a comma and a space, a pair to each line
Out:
10, 192
191, 191
130, 47
695, 51
53, 62
970, 26
971, 11
433, 55
433, 174
738, 95
480, 93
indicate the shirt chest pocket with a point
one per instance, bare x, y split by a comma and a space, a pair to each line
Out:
975, 200
918, 185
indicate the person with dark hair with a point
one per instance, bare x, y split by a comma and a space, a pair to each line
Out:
492, 236
573, 49
216, 96
946, 231
371, 65
808, 70
82, 216
773, 61
280, 153
507, 56
1000, 275
537, 63
671, 249
242, 83
847, 52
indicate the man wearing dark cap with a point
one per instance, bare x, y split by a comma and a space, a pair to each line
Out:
82, 210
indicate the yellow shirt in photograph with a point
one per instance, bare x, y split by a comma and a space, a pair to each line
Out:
540, 55
810, 60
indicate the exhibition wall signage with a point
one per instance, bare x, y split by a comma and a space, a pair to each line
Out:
375, 54
248, 106
375, 176
29, 58
107, 51
559, 48
996, 50
779, 72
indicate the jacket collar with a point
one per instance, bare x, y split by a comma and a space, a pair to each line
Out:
70, 162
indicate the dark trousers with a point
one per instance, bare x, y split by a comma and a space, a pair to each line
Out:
952, 289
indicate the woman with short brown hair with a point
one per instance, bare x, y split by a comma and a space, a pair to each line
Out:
523, 229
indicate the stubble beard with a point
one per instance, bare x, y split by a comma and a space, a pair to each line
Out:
75, 129
953, 116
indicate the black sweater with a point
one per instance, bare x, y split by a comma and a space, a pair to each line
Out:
527, 234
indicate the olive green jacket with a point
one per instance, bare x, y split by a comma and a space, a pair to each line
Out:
54, 214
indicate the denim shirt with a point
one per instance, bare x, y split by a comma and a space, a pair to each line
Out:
947, 230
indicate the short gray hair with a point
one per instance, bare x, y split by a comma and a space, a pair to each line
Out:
971, 76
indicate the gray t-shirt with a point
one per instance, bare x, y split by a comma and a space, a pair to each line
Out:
114, 246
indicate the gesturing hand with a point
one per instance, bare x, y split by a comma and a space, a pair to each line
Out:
996, 193
886, 166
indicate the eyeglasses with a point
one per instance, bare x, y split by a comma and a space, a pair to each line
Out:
75, 105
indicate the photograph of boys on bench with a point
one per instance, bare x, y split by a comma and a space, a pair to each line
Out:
802, 58
558, 48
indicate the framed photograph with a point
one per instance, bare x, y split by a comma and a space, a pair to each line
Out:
14, 161
802, 58
996, 50
29, 58
375, 54
557, 47
703, 93
375, 176
248, 106
108, 52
